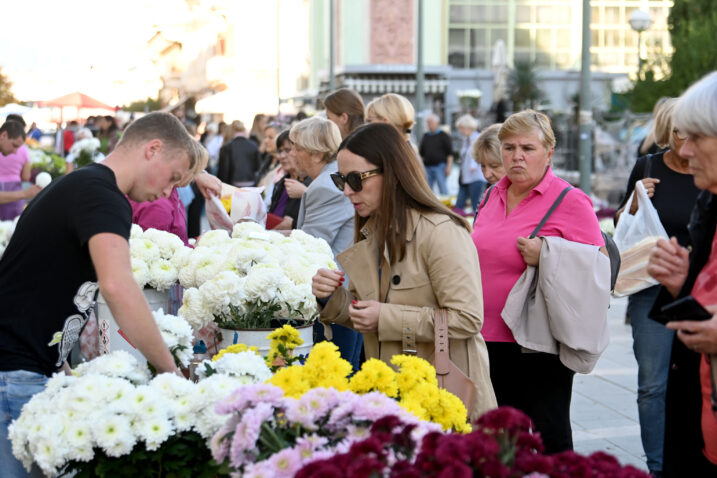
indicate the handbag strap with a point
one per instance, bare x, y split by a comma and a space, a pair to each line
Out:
482, 204
442, 361
550, 212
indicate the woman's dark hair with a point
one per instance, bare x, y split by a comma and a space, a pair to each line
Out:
404, 185
113, 122
281, 138
346, 101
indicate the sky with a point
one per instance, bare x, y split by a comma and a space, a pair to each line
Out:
50, 48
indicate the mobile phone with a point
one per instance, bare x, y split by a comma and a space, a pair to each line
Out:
686, 308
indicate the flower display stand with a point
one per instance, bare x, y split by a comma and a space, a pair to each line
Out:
257, 338
111, 337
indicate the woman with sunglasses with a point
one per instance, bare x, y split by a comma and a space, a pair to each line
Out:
670, 185
410, 256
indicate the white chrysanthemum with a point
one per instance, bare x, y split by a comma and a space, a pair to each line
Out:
168, 243
113, 434
181, 257
163, 274
243, 230
222, 290
155, 431
171, 386
214, 238
193, 310
244, 255
144, 249
177, 335
246, 366
264, 281
119, 364
140, 271
136, 231
298, 269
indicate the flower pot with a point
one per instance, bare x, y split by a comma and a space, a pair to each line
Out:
257, 338
111, 337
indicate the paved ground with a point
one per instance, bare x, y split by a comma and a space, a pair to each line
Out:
604, 408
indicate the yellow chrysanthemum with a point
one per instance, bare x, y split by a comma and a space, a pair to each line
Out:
291, 380
375, 375
235, 349
286, 335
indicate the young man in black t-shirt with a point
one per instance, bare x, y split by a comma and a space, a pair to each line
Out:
73, 240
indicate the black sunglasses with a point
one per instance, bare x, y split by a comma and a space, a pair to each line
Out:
354, 179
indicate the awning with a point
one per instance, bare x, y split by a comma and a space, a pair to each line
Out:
394, 85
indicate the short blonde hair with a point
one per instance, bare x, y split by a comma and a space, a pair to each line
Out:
526, 121
394, 108
662, 124
487, 145
317, 135
696, 109
467, 121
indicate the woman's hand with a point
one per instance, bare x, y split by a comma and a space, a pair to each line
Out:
325, 282
530, 250
208, 185
700, 336
364, 315
668, 265
649, 184
295, 189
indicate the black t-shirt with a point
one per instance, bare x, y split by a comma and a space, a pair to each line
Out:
47, 280
674, 198
435, 148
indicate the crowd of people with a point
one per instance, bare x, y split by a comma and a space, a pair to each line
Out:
525, 288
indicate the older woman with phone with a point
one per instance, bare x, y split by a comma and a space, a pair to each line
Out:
411, 257
690, 417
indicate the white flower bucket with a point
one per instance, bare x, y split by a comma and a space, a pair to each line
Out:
111, 338
257, 338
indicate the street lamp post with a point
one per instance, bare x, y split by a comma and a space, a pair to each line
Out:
639, 21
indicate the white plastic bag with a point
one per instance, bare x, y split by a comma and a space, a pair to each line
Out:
635, 236
247, 205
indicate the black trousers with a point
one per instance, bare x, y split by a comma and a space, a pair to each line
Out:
194, 213
539, 385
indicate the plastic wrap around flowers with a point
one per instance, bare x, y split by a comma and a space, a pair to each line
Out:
250, 278
153, 255
6, 230
110, 407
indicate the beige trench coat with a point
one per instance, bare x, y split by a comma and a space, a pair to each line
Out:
440, 269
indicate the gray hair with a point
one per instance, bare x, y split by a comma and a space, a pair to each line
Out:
696, 110
433, 116
317, 135
467, 121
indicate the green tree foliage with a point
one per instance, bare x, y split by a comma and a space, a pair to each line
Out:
523, 86
150, 104
6, 95
692, 32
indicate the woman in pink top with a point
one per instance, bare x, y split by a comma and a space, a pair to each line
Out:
537, 383
14, 169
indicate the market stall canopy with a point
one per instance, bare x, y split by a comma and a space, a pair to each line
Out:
78, 100
13, 109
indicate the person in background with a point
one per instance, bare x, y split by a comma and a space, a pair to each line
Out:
68, 136
14, 168
213, 142
649, 145
239, 159
34, 132
690, 417
108, 133
471, 181
324, 212
256, 133
82, 133
411, 255
345, 108
287, 192
670, 185
89, 251
437, 154
267, 156
395, 110
486, 152
537, 383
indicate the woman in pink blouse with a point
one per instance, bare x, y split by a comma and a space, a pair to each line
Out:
14, 169
537, 383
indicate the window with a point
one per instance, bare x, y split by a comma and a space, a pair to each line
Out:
457, 48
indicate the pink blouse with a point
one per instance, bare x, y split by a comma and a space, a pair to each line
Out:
165, 214
11, 165
496, 233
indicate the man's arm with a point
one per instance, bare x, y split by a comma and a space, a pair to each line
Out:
12, 196
110, 256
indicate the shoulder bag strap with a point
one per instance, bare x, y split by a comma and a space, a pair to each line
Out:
550, 212
485, 200
648, 167
442, 357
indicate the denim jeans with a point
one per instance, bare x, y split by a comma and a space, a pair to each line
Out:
652, 344
473, 191
347, 340
16, 389
437, 173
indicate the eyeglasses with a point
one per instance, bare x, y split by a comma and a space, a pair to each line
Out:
354, 179
679, 135
283, 151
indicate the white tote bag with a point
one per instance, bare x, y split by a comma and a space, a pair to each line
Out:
635, 236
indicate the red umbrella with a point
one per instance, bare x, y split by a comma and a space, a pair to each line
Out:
78, 100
